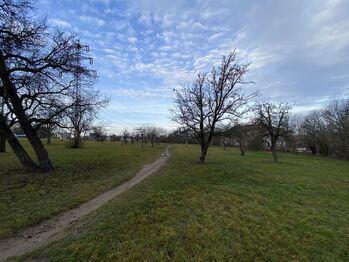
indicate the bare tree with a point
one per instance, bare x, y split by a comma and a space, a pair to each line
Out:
273, 120
48, 129
36, 70
240, 133
141, 132
113, 138
125, 137
294, 141
152, 133
80, 116
210, 99
310, 129
98, 133
336, 118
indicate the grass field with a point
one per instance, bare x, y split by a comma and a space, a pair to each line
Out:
230, 208
80, 174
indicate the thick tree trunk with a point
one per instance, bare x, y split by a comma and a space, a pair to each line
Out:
204, 148
2, 143
313, 149
273, 149
77, 140
17, 148
275, 155
39, 149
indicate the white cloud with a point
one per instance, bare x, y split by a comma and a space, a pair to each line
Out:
132, 39
92, 20
215, 36
59, 22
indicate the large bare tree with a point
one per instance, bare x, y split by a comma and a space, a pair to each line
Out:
273, 120
210, 99
36, 73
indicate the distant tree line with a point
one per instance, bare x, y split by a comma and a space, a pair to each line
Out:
141, 135
213, 109
324, 131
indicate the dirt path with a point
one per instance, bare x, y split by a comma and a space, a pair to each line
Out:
52, 229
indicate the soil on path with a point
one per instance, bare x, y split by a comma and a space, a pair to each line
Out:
37, 236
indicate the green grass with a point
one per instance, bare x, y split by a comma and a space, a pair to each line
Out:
79, 175
231, 208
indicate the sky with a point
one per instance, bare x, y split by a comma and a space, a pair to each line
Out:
144, 49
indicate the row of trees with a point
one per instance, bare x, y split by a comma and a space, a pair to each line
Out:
43, 81
143, 135
325, 131
213, 106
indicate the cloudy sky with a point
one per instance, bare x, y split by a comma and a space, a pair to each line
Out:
143, 49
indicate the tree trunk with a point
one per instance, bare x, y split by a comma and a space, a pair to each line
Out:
224, 145
242, 148
39, 149
17, 148
313, 150
77, 140
204, 148
2, 143
275, 155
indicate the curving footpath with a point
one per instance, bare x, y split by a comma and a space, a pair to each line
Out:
37, 236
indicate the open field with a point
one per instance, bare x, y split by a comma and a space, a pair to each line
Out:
232, 208
80, 174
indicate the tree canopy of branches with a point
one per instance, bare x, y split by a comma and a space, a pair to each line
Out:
80, 116
240, 133
37, 68
210, 99
98, 133
273, 120
326, 131
152, 133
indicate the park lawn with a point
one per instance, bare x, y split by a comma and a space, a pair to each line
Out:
79, 175
230, 208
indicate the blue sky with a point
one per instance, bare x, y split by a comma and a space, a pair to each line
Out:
143, 49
